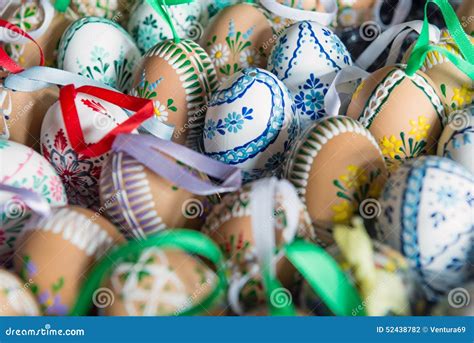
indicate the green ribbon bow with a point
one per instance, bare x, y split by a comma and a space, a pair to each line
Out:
423, 47
192, 242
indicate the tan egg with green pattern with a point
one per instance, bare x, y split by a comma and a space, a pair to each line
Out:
16, 298
336, 166
230, 225
404, 113
161, 282
455, 87
179, 78
56, 252
465, 14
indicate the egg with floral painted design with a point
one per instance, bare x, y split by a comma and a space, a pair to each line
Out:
306, 58
404, 113
250, 123
16, 298
56, 253
24, 168
457, 140
79, 173
335, 167
149, 28
427, 207
116, 10
179, 78
162, 282
110, 57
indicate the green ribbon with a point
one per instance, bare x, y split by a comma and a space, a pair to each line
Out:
423, 47
324, 276
192, 242
161, 7
61, 5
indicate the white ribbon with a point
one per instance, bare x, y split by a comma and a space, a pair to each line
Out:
323, 18
376, 48
332, 100
401, 12
8, 37
262, 209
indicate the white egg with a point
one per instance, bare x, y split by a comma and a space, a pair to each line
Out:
307, 57
427, 207
99, 49
457, 140
251, 123
149, 28
22, 167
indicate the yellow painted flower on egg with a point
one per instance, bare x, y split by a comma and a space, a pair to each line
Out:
342, 212
462, 96
355, 177
391, 146
419, 128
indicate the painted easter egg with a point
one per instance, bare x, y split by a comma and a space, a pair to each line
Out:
22, 114
141, 203
160, 282
22, 167
109, 58
405, 114
338, 169
240, 36
250, 123
352, 13
56, 252
230, 225
110, 9
455, 87
307, 57
79, 174
30, 16
149, 28
457, 140
16, 298
179, 78
427, 215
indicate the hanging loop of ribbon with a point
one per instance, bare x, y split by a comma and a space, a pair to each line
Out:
154, 153
322, 18
402, 9
423, 47
189, 241
143, 108
31, 199
5, 60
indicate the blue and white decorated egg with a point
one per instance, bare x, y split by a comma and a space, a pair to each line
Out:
101, 50
426, 213
149, 28
457, 139
307, 57
251, 123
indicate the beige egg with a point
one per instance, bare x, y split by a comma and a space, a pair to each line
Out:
162, 282
353, 13
465, 14
141, 203
56, 253
455, 87
230, 226
336, 166
16, 298
116, 10
179, 78
404, 114
23, 113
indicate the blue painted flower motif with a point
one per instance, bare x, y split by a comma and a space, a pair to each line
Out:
438, 218
146, 38
212, 127
470, 199
314, 102
246, 113
277, 56
299, 101
312, 83
337, 46
326, 32
275, 163
446, 196
234, 122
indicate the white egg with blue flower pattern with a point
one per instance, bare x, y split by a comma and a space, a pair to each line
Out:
457, 139
251, 123
307, 57
427, 207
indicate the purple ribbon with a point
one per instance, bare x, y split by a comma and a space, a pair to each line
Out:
33, 200
155, 153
